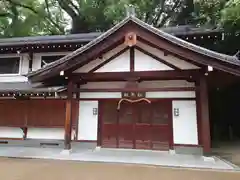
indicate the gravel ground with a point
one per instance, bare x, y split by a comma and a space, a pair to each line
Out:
34, 169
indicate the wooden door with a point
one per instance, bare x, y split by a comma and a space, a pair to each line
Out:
108, 112
139, 125
142, 129
161, 129
127, 116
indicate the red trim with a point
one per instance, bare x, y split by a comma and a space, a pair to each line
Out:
142, 75
198, 108
205, 125
99, 128
87, 141
188, 145
77, 120
137, 89
171, 140
99, 99
132, 59
68, 117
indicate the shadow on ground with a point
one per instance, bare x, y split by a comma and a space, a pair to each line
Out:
229, 151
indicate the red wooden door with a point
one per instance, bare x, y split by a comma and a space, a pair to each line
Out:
140, 125
142, 129
161, 128
108, 111
125, 126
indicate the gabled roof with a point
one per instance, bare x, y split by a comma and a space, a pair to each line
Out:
232, 60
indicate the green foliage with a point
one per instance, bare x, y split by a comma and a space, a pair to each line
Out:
209, 11
41, 17
230, 16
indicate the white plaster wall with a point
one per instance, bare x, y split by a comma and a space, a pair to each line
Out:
169, 58
45, 133
120, 64
90, 66
171, 94
100, 95
96, 62
11, 132
185, 125
143, 62
87, 122
36, 63
25, 64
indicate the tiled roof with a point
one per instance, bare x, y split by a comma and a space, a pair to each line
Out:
171, 38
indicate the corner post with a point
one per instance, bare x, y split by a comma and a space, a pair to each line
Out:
68, 117
204, 109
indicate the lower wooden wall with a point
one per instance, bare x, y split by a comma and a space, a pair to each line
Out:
35, 113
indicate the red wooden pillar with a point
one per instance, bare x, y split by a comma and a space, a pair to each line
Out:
204, 114
68, 117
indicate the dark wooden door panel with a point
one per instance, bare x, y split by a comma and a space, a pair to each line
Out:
109, 136
125, 136
137, 125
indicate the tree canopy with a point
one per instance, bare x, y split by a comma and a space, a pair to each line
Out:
40, 17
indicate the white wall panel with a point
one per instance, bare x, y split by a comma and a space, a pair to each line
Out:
100, 95
143, 62
11, 132
45, 133
171, 94
120, 64
92, 64
87, 121
185, 125
169, 58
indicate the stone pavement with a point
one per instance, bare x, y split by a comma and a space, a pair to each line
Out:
117, 156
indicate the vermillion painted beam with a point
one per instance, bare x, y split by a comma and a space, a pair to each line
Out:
142, 75
68, 118
205, 125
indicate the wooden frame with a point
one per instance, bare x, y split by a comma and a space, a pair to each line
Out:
169, 126
140, 75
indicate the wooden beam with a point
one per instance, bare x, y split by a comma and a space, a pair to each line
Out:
157, 58
68, 118
109, 59
141, 75
77, 90
204, 109
132, 59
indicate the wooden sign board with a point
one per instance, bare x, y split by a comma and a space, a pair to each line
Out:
133, 95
